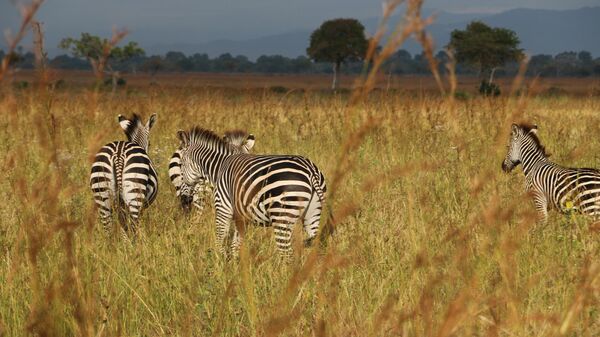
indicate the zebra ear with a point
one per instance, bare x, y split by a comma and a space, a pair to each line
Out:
534, 129
184, 138
515, 128
123, 122
151, 121
249, 143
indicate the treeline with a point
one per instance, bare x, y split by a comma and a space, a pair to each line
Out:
572, 64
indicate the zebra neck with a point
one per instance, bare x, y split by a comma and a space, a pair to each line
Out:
532, 159
212, 166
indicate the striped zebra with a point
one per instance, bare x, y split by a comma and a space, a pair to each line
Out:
552, 185
197, 195
267, 190
122, 176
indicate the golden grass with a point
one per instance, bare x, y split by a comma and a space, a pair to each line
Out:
432, 239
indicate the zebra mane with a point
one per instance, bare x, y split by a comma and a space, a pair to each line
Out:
236, 137
132, 126
199, 135
527, 130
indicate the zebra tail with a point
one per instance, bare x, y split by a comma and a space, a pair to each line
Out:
328, 227
119, 201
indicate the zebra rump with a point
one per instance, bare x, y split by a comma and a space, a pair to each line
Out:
122, 176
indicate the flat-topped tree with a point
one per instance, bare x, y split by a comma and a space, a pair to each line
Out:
338, 41
485, 48
101, 52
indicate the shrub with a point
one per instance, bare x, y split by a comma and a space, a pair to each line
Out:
489, 89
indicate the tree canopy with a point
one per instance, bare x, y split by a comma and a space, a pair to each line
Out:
338, 41
485, 47
93, 48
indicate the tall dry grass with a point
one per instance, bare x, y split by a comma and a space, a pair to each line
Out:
431, 239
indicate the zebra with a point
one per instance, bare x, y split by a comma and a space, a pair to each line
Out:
267, 190
552, 185
197, 195
122, 176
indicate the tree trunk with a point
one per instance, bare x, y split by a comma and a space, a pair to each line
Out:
336, 70
492, 72
114, 76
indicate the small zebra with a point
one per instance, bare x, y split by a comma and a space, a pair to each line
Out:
267, 190
197, 195
552, 185
122, 174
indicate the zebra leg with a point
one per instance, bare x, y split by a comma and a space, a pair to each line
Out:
223, 224
236, 240
105, 212
283, 238
312, 219
541, 205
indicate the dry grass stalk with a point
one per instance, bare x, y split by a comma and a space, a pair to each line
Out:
27, 16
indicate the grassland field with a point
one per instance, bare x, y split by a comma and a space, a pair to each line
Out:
431, 237
548, 86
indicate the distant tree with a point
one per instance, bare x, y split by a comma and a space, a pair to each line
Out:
485, 48
68, 62
300, 64
201, 62
177, 61
596, 67
272, 64
584, 57
338, 41
242, 64
95, 49
566, 63
541, 65
153, 65
225, 63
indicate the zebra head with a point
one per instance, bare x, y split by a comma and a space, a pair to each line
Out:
202, 151
136, 131
191, 195
240, 139
522, 138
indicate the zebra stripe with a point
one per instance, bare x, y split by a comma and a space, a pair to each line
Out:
198, 194
122, 176
552, 185
267, 190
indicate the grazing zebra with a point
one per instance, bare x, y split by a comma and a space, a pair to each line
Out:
197, 195
267, 190
122, 174
566, 189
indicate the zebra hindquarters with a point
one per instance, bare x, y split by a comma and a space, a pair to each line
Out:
134, 189
102, 184
103, 197
312, 218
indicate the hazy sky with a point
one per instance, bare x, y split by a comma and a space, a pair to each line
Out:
193, 21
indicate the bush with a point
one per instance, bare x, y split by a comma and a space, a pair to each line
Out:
120, 82
461, 95
278, 89
489, 89
58, 84
554, 92
21, 85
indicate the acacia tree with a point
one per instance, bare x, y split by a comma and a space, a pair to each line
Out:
485, 47
101, 52
338, 41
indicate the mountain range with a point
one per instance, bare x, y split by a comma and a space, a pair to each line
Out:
540, 31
